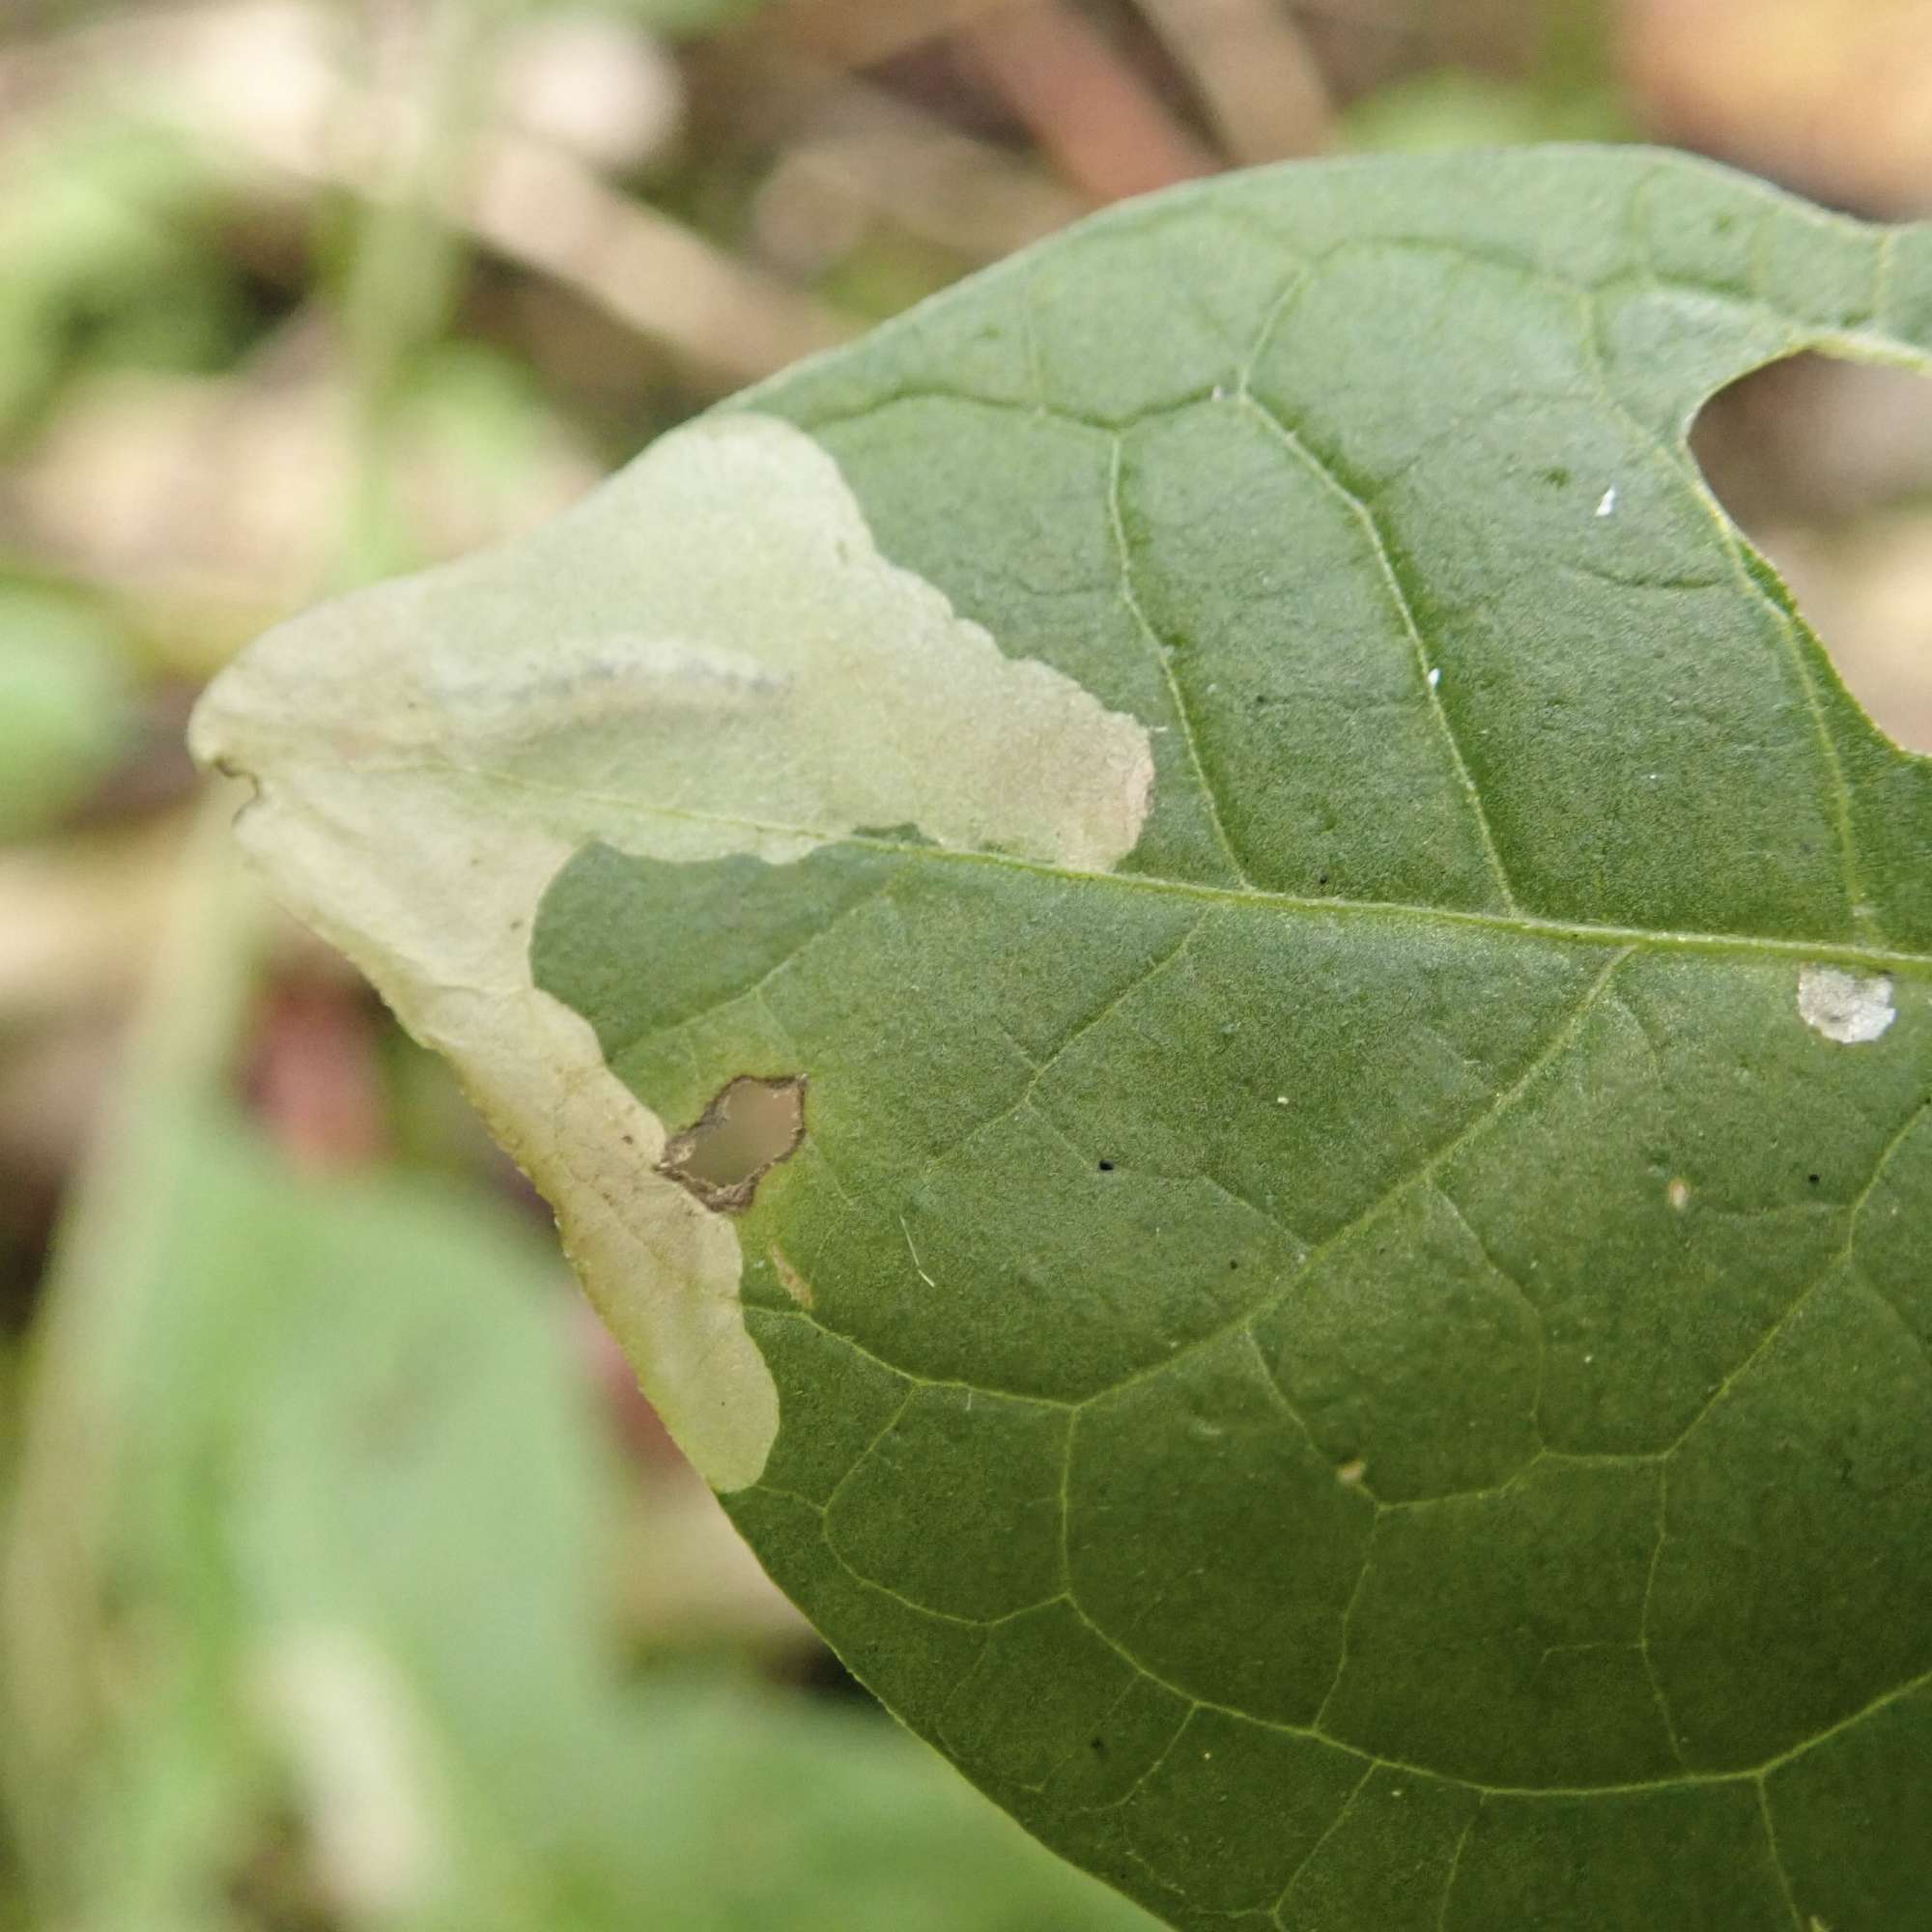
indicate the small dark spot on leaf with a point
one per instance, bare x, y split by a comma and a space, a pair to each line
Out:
1106, 1167
754, 1123
1097, 1744
1321, 878
1558, 478
1232, 1265
1812, 1178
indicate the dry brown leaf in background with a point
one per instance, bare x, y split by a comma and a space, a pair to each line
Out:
817, 42
1819, 460
863, 153
1831, 95
80, 919
1259, 83
1869, 595
1817, 440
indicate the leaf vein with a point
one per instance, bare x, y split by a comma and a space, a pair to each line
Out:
1130, 597
1365, 515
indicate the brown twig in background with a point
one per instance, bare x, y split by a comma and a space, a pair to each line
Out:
1258, 81
1093, 116
869, 152
761, 82
827, 39
546, 210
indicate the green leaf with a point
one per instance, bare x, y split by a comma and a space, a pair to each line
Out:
1341, 1317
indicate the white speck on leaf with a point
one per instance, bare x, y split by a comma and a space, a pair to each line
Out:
1852, 1009
1608, 506
1678, 1194
914, 1253
1434, 676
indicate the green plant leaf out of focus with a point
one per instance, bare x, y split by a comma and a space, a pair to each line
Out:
354, 1576
66, 705
105, 264
1240, 1030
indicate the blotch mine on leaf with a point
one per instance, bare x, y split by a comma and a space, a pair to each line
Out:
1853, 1009
707, 657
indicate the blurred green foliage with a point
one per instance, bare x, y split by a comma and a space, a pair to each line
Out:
109, 262
1453, 108
315, 1520
352, 1585
66, 705
1564, 90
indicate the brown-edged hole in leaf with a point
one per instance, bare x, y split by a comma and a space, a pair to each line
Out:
1827, 467
753, 1125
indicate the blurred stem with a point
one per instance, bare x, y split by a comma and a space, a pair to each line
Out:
1263, 91
407, 260
86, 1353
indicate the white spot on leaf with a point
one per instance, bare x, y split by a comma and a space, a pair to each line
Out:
1608, 505
1853, 1009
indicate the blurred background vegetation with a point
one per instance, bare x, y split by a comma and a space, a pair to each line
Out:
345, 1580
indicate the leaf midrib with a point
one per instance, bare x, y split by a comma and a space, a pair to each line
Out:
1527, 925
